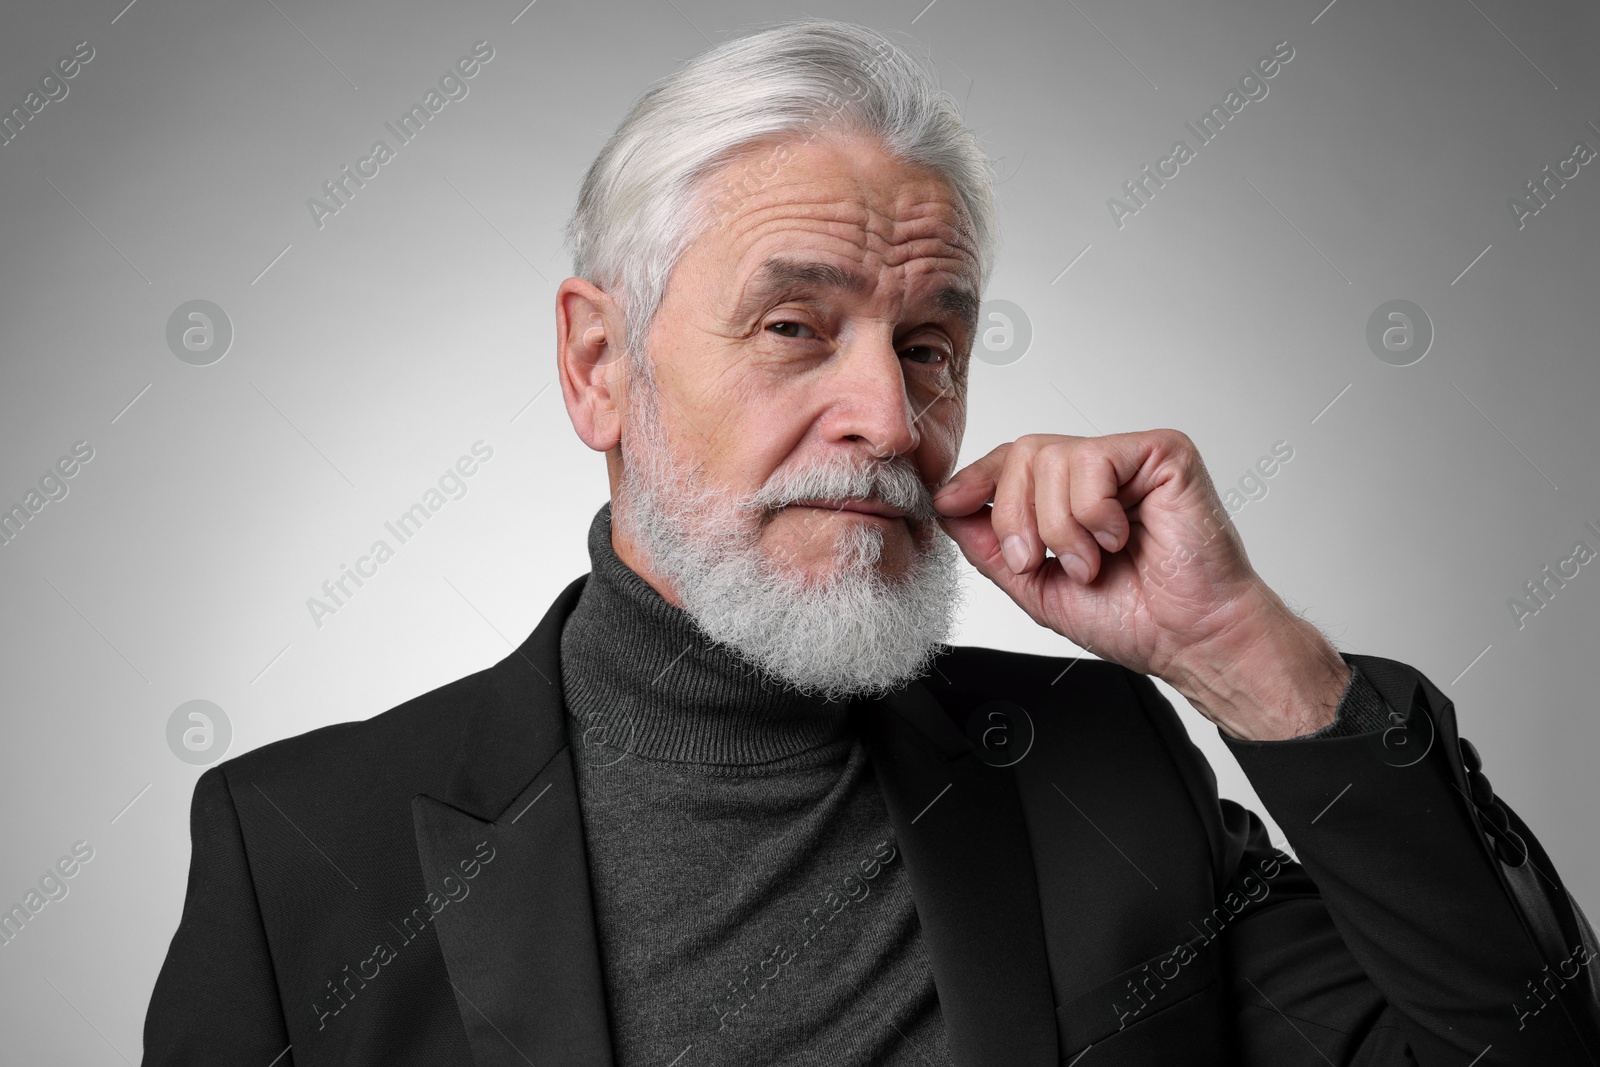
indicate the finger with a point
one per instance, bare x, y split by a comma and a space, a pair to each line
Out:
973, 485
1096, 487
1140, 461
1055, 494
1015, 526
974, 535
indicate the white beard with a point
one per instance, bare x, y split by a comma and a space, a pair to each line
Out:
850, 633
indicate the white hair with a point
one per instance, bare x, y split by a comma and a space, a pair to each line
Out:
642, 200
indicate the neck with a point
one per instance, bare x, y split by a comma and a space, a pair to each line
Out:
629, 553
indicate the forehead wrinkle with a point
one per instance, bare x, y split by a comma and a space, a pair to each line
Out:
864, 210
793, 269
857, 182
897, 222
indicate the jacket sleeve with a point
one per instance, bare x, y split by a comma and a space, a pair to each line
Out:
1423, 924
216, 999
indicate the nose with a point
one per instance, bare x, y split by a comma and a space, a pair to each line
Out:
873, 404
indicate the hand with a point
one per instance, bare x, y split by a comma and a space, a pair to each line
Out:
1148, 572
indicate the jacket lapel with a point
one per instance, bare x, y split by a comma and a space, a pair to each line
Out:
519, 944
960, 823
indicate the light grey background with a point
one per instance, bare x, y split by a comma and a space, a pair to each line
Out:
370, 353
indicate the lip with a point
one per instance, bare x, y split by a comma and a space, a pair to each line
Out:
859, 507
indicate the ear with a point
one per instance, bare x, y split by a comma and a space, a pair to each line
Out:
589, 346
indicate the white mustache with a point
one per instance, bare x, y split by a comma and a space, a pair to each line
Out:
895, 484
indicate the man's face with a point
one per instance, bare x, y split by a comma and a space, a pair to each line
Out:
824, 321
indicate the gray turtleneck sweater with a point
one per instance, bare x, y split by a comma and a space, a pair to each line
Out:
750, 900
751, 903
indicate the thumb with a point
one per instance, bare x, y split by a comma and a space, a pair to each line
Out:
974, 535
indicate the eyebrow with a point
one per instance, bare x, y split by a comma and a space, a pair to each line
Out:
778, 275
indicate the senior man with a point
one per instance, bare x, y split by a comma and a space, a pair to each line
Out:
735, 800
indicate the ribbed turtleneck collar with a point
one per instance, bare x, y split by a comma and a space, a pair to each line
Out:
644, 671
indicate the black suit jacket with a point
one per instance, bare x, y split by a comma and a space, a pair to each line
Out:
413, 889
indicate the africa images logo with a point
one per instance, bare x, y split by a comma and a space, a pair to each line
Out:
1252, 86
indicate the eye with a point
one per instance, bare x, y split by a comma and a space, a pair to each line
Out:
790, 325
929, 350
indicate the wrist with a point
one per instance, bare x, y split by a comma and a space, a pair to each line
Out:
1269, 677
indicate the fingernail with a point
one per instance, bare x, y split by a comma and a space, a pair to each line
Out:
1108, 541
1015, 552
946, 489
1076, 569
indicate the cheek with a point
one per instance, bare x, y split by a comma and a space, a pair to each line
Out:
758, 430
942, 430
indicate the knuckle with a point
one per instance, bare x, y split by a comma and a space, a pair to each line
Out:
1055, 461
1177, 440
1031, 443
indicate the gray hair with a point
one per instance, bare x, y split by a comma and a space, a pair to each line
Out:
643, 202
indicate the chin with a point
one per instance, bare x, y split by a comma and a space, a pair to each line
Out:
821, 560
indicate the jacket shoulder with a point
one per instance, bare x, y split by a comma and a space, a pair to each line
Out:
402, 750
